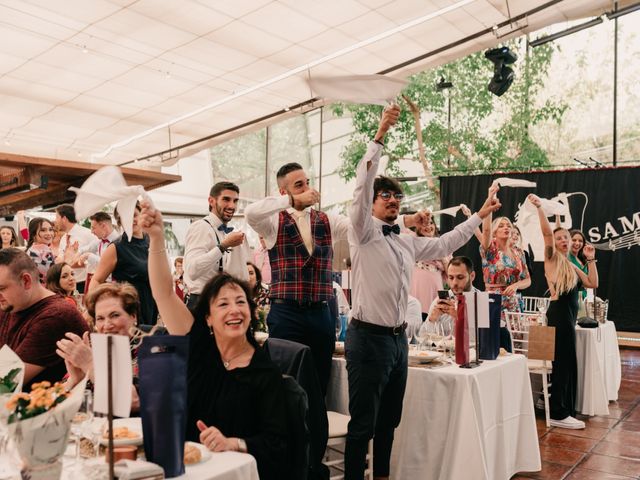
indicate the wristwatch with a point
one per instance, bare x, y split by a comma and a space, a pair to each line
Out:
242, 446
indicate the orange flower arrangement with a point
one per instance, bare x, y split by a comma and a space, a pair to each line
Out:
42, 398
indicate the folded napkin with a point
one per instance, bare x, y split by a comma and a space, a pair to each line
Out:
369, 89
130, 469
9, 360
514, 182
448, 211
103, 187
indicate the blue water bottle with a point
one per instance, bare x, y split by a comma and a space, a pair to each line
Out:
343, 323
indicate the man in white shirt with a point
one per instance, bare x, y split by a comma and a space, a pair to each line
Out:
77, 237
382, 262
460, 276
211, 246
102, 228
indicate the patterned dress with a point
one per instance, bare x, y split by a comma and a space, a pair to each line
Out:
43, 257
498, 268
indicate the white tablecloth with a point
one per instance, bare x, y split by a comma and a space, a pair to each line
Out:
599, 369
458, 423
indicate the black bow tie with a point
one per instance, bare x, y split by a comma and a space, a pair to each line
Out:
225, 229
388, 229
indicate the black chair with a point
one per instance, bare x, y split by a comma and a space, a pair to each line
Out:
295, 360
297, 411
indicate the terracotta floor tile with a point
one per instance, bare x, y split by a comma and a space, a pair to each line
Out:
568, 441
584, 474
590, 431
626, 450
628, 426
622, 436
618, 466
602, 422
550, 471
562, 456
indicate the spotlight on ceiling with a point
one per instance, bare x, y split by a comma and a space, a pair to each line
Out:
502, 75
443, 85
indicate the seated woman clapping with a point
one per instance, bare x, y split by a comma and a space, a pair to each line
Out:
235, 393
114, 308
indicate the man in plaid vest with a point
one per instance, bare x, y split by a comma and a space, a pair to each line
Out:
299, 239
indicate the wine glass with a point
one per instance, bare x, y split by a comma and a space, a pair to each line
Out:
80, 420
338, 321
410, 332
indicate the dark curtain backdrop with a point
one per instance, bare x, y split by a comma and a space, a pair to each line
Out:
608, 200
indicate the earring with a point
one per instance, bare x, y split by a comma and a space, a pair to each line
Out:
211, 330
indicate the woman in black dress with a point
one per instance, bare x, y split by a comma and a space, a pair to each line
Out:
127, 261
235, 394
564, 281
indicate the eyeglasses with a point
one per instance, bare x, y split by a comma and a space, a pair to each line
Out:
386, 196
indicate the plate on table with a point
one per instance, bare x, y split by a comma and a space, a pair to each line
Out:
190, 459
127, 431
423, 356
339, 348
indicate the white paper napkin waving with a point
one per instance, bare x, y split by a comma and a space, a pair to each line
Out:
453, 211
514, 182
369, 89
549, 207
9, 360
105, 186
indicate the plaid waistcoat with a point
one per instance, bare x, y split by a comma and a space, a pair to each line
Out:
295, 274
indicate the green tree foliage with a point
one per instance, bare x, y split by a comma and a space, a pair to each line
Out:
487, 132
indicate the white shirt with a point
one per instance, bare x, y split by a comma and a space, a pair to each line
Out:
382, 265
264, 217
84, 237
341, 298
414, 313
96, 248
202, 255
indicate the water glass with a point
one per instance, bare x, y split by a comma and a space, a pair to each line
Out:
80, 420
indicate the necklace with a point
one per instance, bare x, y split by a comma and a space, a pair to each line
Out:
227, 363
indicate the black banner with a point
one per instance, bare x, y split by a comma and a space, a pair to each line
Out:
603, 203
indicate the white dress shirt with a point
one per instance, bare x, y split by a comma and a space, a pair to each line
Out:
84, 237
264, 217
382, 265
96, 248
414, 313
202, 255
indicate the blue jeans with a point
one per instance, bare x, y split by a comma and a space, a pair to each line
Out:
377, 372
311, 326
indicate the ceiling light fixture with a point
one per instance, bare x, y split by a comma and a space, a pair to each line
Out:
287, 74
85, 49
502, 75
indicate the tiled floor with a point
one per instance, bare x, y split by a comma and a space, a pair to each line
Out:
608, 449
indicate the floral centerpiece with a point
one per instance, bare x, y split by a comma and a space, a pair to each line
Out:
39, 424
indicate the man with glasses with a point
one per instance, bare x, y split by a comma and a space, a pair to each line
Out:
382, 262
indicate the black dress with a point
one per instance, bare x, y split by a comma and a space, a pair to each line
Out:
562, 314
132, 266
247, 403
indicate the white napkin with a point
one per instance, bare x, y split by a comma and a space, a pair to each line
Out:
370, 89
103, 187
8, 361
129, 469
453, 211
514, 182
549, 207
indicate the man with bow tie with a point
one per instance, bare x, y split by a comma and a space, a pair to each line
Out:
102, 228
212, 246
382, 262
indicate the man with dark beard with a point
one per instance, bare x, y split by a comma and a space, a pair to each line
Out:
33, 318
211, 246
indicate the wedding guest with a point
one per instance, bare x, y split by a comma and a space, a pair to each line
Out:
178, 278
74, 235
127, 261
60, 280
235, 393
564, 281
428, 277
259, 291
212, 246
261, 260
39, 245
504, 269
9, 237
102, 228
33, 318
576, 255
376, 345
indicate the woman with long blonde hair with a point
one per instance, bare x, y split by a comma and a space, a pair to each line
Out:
564, 280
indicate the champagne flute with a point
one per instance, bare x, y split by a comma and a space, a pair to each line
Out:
541, 305
80, 419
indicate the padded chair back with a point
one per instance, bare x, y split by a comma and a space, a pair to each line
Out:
295, 359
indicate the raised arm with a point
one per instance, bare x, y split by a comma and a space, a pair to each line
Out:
545, 227
360, 210
591, 279
175, 314
485, 241
467, 213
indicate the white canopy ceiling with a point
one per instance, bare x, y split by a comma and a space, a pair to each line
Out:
115, 80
